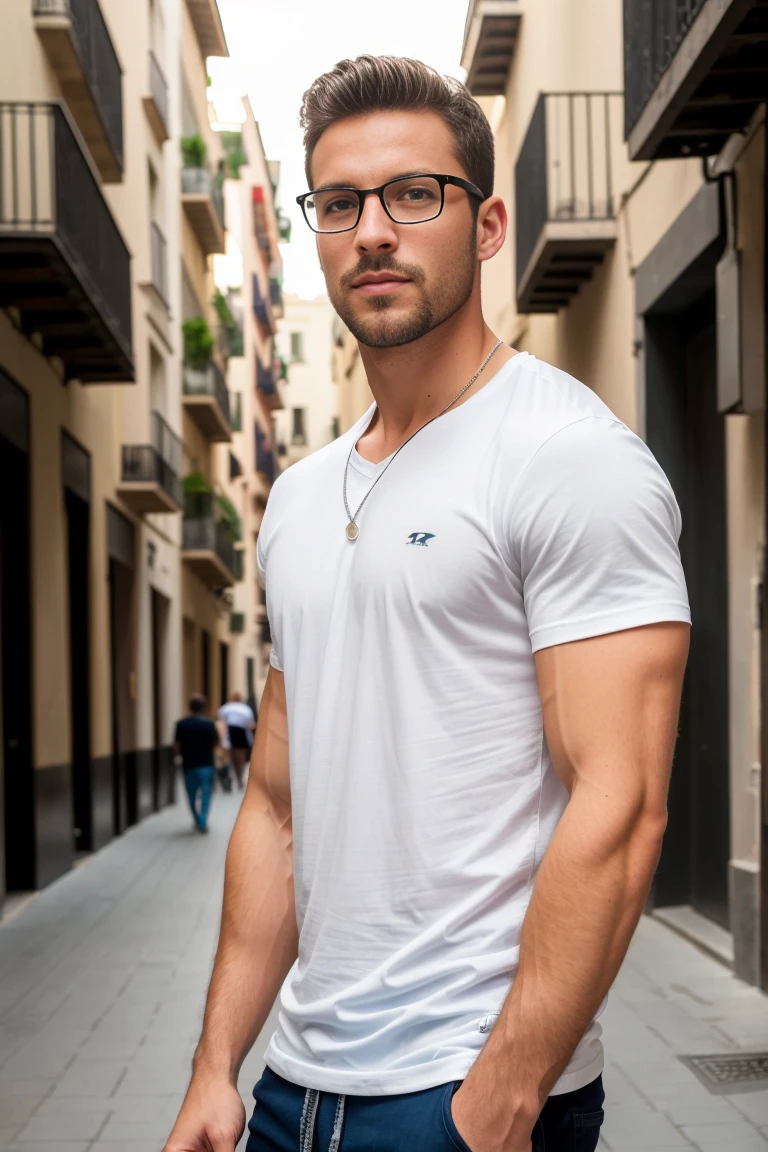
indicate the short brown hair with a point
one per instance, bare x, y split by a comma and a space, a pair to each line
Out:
387, 83
197, 703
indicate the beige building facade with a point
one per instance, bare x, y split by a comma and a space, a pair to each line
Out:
632, 165
309, 418
119, 524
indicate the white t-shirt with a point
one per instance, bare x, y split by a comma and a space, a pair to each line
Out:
422, 791
236, 714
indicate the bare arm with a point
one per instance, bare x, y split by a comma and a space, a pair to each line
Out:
610, 709
258, 941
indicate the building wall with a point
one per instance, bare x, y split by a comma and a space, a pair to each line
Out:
596, 337
310, 384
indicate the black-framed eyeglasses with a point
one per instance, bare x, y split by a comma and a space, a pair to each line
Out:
406, 200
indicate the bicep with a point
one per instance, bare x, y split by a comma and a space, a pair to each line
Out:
269, 774
610, 705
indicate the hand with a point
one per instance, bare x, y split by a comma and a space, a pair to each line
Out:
212, 1118
490, 1125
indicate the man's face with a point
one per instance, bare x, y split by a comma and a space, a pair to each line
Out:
433, 264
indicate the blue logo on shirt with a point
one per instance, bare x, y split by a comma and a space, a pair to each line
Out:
421, 538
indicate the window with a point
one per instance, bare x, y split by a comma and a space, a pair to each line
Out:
299, 435
297, 345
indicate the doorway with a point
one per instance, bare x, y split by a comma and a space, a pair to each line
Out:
686, 433
161, 785
121, 545
18, 825
78, 557
205, 664
223, 672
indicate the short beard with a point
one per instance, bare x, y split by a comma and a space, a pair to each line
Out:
431, 311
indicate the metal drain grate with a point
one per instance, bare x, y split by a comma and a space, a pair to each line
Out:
739, 1072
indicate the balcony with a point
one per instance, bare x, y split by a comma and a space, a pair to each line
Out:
156, 102
80, 51
267, 386
237, 623
490, 39
206, 401
265, 456
565, 206
64, 267
207, 547
694, 72
203, 203
206, 22
150, 472
159, 255
262, 309
276, 297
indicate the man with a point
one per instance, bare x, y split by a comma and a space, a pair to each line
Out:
480, 629
195, 742
238, 725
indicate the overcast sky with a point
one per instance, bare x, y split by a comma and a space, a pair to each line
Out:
278, 49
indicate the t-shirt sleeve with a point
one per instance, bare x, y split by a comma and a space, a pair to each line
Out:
261, 563
594, 527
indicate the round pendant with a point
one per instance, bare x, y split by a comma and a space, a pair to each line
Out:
352, 531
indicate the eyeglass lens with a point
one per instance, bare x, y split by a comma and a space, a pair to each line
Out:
409, 201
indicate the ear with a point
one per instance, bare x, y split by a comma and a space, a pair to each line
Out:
491, 227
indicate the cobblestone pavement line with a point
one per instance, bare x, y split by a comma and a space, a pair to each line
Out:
103, 976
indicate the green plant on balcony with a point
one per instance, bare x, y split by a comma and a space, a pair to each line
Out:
194, 152
284, 228
197, 496
223, 310
230, 519
198, 343
281, 368
235, 153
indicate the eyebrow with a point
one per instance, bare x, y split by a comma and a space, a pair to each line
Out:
355, 188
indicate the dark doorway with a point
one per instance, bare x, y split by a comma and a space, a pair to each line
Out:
124, 799
250, 680
15, 638
161, 735
78, 535
205, 664
224, 672
687, 435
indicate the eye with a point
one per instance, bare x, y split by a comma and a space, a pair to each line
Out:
340, 204
416, 195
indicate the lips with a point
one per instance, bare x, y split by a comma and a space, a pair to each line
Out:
379, 283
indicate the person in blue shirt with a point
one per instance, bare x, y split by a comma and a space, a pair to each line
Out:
195, 741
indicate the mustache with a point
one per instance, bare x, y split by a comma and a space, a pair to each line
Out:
384, 263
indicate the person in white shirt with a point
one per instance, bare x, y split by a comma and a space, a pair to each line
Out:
237, 725
480, 630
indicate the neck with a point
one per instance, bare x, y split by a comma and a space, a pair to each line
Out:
413, 383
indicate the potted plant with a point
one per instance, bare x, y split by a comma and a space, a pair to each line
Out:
198, 349
194, 152
197, 496
229, 518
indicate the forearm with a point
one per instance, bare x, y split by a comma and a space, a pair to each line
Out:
258, 940
588, 896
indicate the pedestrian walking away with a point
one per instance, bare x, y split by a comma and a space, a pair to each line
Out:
480, 626
238, 723
195, 743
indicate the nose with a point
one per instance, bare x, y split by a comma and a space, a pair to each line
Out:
375, 231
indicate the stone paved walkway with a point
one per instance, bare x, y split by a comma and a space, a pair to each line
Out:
102, 979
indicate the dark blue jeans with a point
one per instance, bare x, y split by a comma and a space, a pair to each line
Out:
290, 1119
199, 781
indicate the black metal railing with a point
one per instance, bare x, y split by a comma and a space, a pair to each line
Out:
275, 293
204, 531
565, 167
47, 188
97, 58
260, 309
265, 379
653, 32
200, 182
159, 252
158, 88
208, 382
265, 455
158, 462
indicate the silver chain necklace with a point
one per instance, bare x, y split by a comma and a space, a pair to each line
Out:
353, 529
